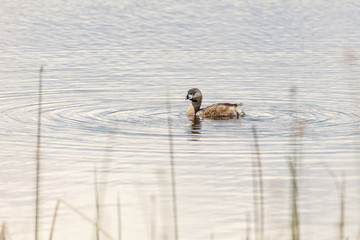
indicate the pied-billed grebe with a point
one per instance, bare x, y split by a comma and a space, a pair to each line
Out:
215, 111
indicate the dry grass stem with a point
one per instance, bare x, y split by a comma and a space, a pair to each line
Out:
119, 217
248, 227
172, 168
4, 233
255, 200
259, 179
342, 208
293, 168
341, 190
153, 217
78, 212
97, 203
38, 147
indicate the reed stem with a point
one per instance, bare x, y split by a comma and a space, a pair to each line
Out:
119, 216
255, 200
97, 201
38, 147
341, 190
248, 227
153, 217
260, 182
294, 202
54, 219
293, 168
4, 233
78, 212
172, 168
342, 208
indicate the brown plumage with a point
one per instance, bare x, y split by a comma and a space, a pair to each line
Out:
215, 111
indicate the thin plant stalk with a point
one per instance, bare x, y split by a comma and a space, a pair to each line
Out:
255, 200
38, 147
97, 201
342, 208
260, 181
4, 233
54, 219
119, 216
78, 212
153, 218
295, 234
341, 189
292, 162
172, 168
248, 227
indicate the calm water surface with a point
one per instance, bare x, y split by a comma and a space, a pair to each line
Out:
108, 67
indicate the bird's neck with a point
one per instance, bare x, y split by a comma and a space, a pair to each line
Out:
196, 105
193, 108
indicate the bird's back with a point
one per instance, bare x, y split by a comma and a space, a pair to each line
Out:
222, 111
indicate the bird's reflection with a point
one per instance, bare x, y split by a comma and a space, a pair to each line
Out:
195, 129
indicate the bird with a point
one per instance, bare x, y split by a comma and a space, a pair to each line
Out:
219, 111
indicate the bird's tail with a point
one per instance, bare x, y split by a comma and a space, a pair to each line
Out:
239, 110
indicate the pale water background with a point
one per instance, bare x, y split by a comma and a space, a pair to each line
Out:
108, 65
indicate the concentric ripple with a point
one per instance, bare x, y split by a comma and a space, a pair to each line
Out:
278, 117
68, 111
